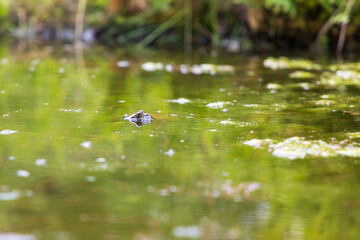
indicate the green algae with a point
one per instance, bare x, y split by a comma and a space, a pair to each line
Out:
217, 105
305, 85
273, 86
237, 123
329, 96
196, 69
299, 148
336, 74
323, 102
287, 63
257, 143
340, 77
302, 74
353, 135
344, 66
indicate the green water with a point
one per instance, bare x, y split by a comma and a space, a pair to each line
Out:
74, 169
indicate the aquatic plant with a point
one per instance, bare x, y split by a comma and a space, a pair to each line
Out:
299, 148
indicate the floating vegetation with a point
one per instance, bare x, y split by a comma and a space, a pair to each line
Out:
90, 178
71, 110
228, 122
100, 160
61, 70
224, 68
236, 123
296, 147
336, 74
170, 152
22, 173
287, 63
9, 196
257, 143
206, 68
169, 67
40, 162
340, 78
353, 135
212, 130
329, 96
123, 64
152, 66
273, 86
196, 69
323, 102
217, 105
7, 132
306, 86
302, 74
187, 231
344, 66
86, 144
251, 105
4, 61
184, 69
17, 236
347, 74
179, 100
257, 108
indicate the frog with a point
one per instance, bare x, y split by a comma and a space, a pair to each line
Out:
140, 118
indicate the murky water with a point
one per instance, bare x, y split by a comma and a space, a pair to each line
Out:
236, 151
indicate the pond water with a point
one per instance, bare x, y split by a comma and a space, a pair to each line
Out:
243, 147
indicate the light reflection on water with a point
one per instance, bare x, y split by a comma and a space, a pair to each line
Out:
72, 168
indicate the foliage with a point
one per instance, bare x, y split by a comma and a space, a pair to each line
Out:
202, 22
4, 11
277, 6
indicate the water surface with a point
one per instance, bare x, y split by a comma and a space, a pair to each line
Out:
72, 168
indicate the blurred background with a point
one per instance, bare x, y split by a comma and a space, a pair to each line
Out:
233, 25
245, 145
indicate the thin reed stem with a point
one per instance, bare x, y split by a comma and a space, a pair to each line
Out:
160, 29
188, 25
